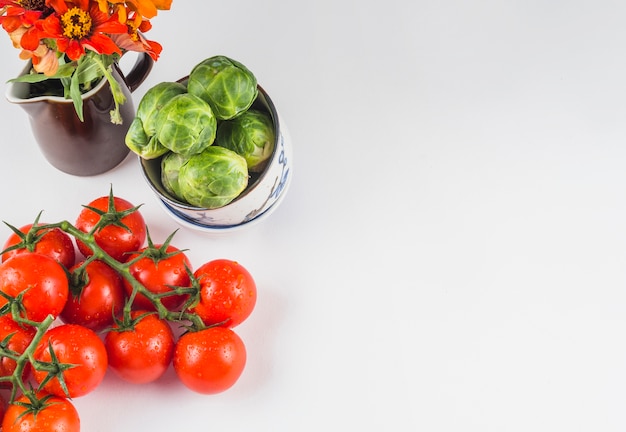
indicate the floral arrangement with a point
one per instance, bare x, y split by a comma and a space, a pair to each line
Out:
77, 41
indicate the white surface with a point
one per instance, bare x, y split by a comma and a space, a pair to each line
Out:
450, 256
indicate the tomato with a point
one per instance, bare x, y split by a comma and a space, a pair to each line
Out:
117, 238
40, 280
101, 297
141, 354
158, 274
20, 339
227, 293
209, 361
74, 345
52, 242
57, 415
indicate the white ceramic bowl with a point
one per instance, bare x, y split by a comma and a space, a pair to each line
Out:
263, 194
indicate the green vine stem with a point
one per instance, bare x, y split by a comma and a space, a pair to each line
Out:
183, 317
123, 268
15, 379
118, 96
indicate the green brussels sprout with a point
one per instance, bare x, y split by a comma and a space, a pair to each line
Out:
251, 135
141, 136
225, 84
213, 178
170, 166
186, 125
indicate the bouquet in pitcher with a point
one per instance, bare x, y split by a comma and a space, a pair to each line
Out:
72, 44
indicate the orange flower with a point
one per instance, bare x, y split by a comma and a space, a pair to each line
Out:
79, 25
145, 8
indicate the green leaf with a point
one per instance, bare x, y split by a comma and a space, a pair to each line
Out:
88, 71
64, 71
76, 96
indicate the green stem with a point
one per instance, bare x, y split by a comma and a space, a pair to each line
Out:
27, 356
118, 96
123, 268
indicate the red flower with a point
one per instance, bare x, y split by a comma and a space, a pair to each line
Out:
77, 26
16, 16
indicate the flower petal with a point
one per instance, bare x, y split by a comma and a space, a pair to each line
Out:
74, 49
102, 44
31, 39
59, 6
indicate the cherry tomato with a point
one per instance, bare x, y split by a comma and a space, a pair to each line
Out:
118, 241
227, 293
209, 361
57, 415
40, 279
52, 242
20, 338
74, 345
158, 275
101, 297
141, 354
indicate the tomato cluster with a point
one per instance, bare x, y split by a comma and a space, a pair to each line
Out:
78, 299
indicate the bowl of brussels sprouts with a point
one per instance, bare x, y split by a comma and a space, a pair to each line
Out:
212, 147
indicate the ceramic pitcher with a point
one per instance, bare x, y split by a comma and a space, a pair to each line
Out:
94, 145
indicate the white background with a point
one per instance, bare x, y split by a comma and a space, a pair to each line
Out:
450, 255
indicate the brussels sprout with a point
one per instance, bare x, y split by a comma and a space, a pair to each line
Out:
251, 135
140, 137
225, 84
213, 178
186, 125
170, 166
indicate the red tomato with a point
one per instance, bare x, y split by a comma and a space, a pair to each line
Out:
52, 242
41, 280
73, 345
118, 241
141, 354
57, 415
21, 337
101, 297
209, 361
158, 275
227, 293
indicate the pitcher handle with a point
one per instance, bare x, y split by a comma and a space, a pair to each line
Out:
140, 71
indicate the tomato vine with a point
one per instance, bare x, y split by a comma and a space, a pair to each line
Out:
186, 316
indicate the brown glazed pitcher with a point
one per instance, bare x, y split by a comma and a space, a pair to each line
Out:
94, 145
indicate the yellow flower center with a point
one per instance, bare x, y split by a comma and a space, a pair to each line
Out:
132, 31
76, 23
